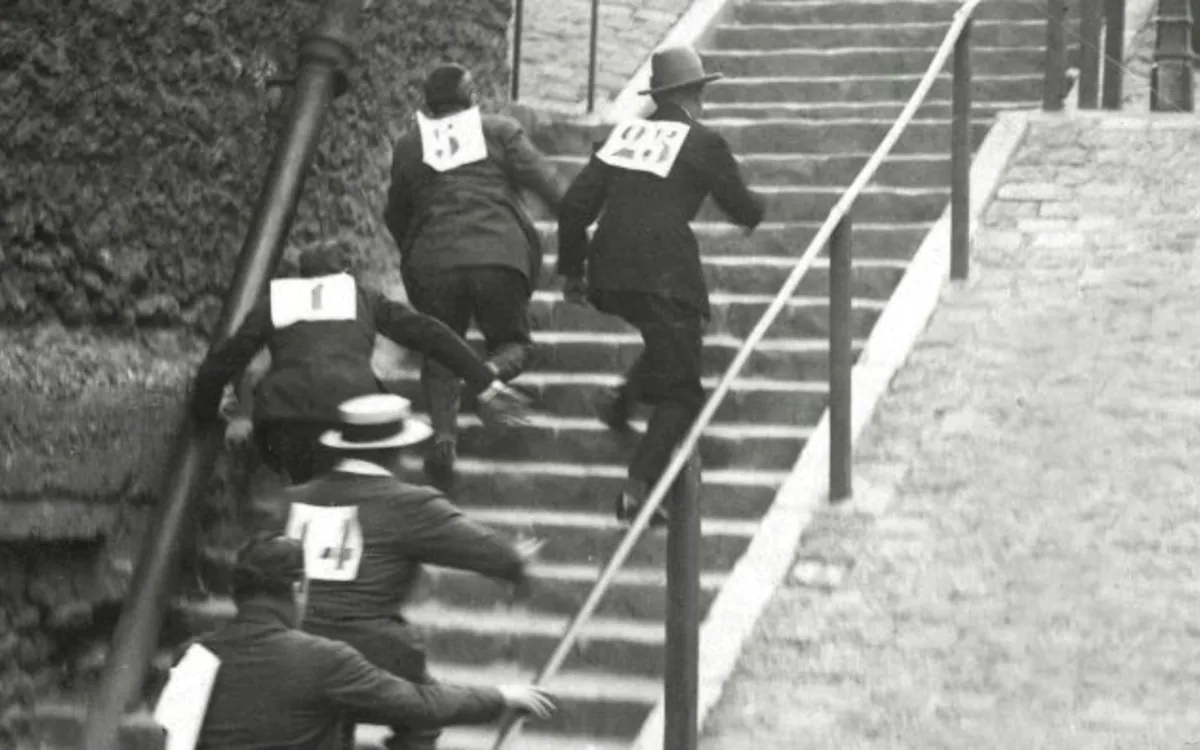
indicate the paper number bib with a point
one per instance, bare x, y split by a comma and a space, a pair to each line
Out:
452, 141
184, 701
332, 539
644, 146
321, 298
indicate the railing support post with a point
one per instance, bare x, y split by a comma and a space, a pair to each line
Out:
841, 361
960, 159
324, 54
1171, 79
1089, 54
681, 684
593, 36
518, 31
1054, 82
1114, 53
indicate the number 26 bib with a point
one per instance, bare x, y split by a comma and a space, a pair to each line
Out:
644, 145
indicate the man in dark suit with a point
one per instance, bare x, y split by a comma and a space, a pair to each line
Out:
320, 330
468, 248
278, 687
643, 264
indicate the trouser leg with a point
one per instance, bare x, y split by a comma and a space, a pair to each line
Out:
500, 307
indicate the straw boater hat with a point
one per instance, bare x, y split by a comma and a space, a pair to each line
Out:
676, 68
381, 420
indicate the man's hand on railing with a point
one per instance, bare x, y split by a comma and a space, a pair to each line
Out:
504, 406
527, 699
238, 432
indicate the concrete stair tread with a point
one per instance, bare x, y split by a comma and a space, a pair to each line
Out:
914, 77
847, 51
551, 377
591, 424
725, 228
802, 106
468, 465
776, 156
483, 738
794, 345
524, 623
718, 299
517, 517
641, 576
582, 683
866, 26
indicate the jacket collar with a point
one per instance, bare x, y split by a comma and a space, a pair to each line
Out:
265, 611
360, 467
672, 111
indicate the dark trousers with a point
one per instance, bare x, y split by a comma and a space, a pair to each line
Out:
666, 374
293, 447
497, 298
393, 646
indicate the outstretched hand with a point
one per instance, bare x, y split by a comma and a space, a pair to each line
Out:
527, 699
505, 406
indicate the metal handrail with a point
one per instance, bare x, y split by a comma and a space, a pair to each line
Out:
324, 55
518, 39
683, 453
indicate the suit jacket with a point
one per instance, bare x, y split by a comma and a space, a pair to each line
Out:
316, 365
281, 689
472, 215
644, 242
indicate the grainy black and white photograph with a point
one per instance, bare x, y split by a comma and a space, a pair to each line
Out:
599, 375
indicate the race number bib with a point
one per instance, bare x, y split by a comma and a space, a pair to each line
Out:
184, 700
332, 539
452, 141
644, 145
321, 298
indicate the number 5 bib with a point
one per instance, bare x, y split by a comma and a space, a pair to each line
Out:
452, 141
644, 145
332, 539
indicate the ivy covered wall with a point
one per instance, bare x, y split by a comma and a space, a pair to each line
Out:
135, 135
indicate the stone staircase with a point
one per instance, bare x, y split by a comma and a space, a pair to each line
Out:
810, 90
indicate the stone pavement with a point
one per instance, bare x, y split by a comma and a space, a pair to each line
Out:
554, 55
1020, 565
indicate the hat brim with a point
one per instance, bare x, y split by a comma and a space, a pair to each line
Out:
683, 84
415, 431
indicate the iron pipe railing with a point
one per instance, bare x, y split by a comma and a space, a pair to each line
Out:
960, 157
1054, 83
841, 361
1171, 87
324, 55
683, 454
1090, 50
1114, 54
593, 43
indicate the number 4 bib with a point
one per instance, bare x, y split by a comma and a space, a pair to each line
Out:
644, 145
332, 539
452, 141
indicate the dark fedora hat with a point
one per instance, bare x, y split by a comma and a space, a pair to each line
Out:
676, 68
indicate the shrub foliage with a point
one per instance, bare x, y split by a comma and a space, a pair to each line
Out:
135, 136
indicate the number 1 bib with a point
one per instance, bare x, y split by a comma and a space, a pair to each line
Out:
452, 141
321, 298
644, 145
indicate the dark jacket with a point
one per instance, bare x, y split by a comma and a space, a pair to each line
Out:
472, 215
643, 242
316, 365
281, 689
403, 526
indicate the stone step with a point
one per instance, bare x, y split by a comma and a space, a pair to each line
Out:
571, 394
587, 441
525, 640
902, 11
931, 110
884, 87
732, 314
584, 351
911, 60
484, 738
636, 593
592, 703
870, 240
791, 203
902, 170
730, 493
750, 274
789, 136
812, 36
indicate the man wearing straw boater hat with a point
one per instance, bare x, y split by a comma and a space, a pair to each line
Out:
258, 682
646, 183
366, 534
